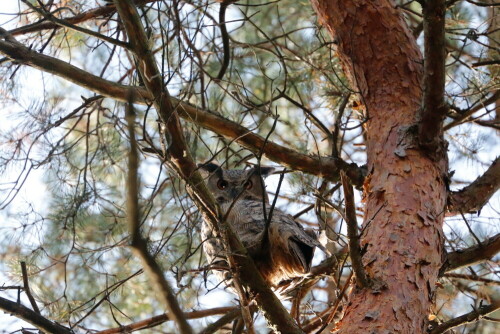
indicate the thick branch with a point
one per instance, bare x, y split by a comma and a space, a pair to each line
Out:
472, 316
40, 322
326, 167
473, 197
477, 253
433, 109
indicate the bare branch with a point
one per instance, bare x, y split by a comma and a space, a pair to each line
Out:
216, 326
433, 108
478, 105
326, 167
473, 197
159, 319
179, 159
40, 322
470, 317
128, 13
469, 256
362, 280
82, 17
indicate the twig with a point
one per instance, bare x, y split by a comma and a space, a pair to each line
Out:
337, 303
225, 38
472, 278
338, 122
65, 24
79, 18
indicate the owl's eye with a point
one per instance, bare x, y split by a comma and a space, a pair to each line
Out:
222, 184
248, 184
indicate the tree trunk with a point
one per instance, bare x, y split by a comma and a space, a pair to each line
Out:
405, 194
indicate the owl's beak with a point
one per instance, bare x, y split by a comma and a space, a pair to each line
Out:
236, 191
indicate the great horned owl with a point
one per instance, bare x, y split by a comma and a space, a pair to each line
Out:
288, 251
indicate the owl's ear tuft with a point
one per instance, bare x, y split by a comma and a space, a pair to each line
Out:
209, 168
264, 171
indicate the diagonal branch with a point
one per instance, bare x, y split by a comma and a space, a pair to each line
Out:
138, 243
469, 256
433, 108
326, 167
217, 325
37, 320
478, 105
470, 317
179, 159
473, 197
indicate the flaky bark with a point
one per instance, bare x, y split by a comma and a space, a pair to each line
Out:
405, 193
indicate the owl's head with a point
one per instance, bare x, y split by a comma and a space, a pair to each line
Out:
227, 184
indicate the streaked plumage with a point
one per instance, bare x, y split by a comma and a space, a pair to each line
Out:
290, 249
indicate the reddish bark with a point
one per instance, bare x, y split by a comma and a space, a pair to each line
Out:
404, 192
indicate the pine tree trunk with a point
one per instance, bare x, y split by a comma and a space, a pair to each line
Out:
404, 193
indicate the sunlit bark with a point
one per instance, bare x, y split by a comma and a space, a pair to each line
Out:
405, 192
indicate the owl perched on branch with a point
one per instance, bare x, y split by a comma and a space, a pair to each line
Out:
283, 252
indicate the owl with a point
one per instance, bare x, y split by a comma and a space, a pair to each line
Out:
288, 250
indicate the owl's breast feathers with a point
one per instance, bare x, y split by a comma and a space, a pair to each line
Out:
290, 248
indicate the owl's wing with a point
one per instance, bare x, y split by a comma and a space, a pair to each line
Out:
292, 246
248, 222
